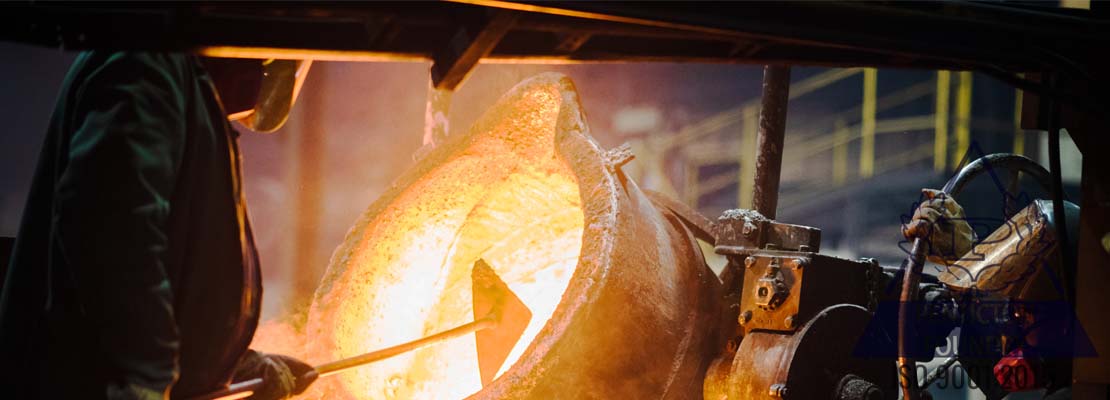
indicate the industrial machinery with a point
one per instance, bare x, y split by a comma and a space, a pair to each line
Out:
622, 302
605, 265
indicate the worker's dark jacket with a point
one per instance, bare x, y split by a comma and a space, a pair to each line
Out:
134, 261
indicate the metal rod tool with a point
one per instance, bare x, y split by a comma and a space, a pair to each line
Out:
496, 333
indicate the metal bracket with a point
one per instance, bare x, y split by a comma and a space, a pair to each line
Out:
741, 232
771, 289
452, 64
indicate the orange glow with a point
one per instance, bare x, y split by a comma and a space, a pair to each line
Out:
404, 270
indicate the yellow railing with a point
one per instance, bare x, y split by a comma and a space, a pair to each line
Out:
838, 137
798, 147
940, 133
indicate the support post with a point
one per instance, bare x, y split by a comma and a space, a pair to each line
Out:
867, 124
963, 118
749, 129
940, 120
772, 129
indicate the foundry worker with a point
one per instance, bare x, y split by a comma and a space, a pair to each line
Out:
135, 275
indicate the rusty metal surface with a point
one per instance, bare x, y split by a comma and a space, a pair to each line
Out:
699, 225
716, 385
772, 129
639, 315
763, 359
742, 231
628, 292
810, 363
782, 290
769, 300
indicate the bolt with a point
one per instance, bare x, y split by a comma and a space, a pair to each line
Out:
777, 391
748, 229
789, 321
745, 317
803, 248
749, 262
800, 263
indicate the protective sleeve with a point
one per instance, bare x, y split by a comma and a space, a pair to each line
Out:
112, 210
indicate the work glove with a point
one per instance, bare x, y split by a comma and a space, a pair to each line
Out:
940, 221
282, 376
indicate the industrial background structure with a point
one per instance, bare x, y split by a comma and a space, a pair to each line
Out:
857, 143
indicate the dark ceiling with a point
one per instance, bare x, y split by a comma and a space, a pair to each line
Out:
991, 37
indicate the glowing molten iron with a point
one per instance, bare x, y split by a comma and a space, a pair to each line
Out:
403, 271
622, 303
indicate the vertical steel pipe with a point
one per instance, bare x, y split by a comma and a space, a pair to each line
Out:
1049, 116
772, 127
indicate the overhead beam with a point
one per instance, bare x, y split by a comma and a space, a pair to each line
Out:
958, 33
452, 64
571, 42
952, 36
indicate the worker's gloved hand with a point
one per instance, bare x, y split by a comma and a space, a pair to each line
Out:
283, 376
940, 221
